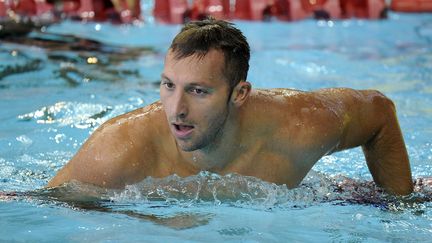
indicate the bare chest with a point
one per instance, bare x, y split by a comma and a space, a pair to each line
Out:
267, 164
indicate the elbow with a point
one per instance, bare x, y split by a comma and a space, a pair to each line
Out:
384, 110
382, 102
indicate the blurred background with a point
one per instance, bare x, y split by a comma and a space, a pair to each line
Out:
43, 12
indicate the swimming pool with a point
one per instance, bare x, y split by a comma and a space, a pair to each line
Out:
53, 97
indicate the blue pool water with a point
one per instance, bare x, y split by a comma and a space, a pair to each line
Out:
51, 99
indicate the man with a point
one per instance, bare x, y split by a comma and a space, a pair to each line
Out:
209, 118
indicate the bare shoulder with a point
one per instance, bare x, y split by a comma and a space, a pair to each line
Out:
318, 120
347, 96
136, 128
152, 111
114, 154
300, 113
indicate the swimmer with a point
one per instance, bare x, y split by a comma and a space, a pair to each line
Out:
210, 119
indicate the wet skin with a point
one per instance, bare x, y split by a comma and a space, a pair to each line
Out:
276, 135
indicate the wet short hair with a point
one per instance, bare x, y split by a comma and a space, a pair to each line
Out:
199, 37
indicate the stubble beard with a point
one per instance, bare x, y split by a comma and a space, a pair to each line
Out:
209, 140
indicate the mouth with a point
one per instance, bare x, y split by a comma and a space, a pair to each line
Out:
182, 130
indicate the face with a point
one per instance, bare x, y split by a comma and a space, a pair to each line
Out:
194, 94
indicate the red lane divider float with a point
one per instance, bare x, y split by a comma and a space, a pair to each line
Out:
180, 11
254, 10
368, 9
24, 7
3, 9
322, 9
219, 9
171, 11
124, 11
411, 5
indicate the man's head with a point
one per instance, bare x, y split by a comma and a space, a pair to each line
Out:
198, 38
203, 79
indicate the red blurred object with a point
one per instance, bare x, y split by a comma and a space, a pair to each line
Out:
124, 11
171, 11
179, 11
371, 9
290, 10
25, 7
299, 9
411, 5
219, 9
43, 7
323, 9
254, 9
128, 10
101, 10
69, 7
89, 9
3, 9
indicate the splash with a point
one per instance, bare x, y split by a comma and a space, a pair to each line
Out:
250, 192
236, 190
183, 203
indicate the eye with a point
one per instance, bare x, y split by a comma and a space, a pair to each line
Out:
168, 85
199, 91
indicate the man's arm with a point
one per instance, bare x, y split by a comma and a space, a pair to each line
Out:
387, 157
370, 121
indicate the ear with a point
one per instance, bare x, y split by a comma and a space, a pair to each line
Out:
240, 93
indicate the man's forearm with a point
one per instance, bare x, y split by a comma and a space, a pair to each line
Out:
387, 159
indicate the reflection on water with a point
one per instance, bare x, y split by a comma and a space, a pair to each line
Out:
15, 62
78, 60
81, 115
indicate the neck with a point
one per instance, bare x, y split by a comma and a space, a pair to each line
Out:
221, 151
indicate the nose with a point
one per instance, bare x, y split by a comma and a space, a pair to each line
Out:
180, 106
